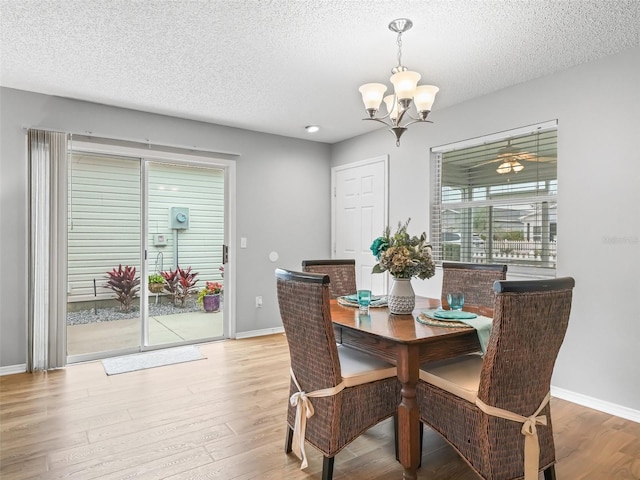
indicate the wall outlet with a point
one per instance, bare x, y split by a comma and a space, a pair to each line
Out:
259, 301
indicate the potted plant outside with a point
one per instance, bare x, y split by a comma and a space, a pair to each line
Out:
209, 296
156, 283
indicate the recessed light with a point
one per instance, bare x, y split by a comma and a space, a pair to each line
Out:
312, 128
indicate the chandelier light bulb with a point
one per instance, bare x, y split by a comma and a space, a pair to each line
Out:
404, 84
424, 97
392, 106
372, 95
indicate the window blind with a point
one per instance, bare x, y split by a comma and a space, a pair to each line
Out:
496, 201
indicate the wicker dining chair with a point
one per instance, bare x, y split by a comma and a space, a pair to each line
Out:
458, 398
474, 280
341, 272
362, 390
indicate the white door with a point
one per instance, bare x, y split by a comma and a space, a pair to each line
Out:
360, 200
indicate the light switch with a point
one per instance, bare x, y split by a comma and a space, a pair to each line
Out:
243, 242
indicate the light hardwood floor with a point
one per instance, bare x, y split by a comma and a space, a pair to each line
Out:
224, 418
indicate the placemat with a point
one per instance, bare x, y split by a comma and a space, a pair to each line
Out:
422, 318
440, 314
481, 324
345, 302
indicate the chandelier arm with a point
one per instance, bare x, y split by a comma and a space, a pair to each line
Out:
401, 115
416, 120
384, 117
381, 120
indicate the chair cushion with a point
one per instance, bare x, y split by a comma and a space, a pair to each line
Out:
459, 376
358, 367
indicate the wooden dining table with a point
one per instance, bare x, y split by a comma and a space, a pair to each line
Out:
406, 343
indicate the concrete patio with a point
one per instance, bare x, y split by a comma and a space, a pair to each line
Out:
122, 334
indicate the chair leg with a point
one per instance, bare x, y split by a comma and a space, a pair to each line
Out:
395, 439
395, 436
550, 473
327, 468
289, 440
421, 437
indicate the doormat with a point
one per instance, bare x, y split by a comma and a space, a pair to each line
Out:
157, 358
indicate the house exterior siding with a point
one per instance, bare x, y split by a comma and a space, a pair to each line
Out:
105, 220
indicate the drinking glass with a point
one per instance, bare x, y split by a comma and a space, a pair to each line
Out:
456, 300
364, 300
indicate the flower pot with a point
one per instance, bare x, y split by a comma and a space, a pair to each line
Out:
156, 287
211, 303
401, 298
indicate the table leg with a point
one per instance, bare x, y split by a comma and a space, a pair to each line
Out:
408, 365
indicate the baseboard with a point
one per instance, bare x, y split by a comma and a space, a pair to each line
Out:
259, 333
600, 405
12, 369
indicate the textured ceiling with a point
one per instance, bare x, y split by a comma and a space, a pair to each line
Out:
276, 66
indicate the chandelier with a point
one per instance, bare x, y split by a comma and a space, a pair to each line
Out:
406, 91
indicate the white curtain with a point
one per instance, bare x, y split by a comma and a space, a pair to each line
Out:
47, 272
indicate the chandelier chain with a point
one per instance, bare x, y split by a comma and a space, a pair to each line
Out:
399, 50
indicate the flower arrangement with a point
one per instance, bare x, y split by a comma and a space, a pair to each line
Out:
211, 288
402, 255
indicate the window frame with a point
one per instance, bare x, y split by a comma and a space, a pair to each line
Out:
437, 206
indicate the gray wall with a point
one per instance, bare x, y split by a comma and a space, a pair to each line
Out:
598, 110
282, 199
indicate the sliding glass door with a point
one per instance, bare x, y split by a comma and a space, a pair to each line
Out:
103, 254
185, 242
144, 237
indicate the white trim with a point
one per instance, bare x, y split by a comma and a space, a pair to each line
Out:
495, 137
259, 333
13, 369
597, 404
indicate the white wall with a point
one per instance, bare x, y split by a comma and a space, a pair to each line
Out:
598, 110
282, 199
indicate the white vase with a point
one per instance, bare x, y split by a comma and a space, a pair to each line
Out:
401, 298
